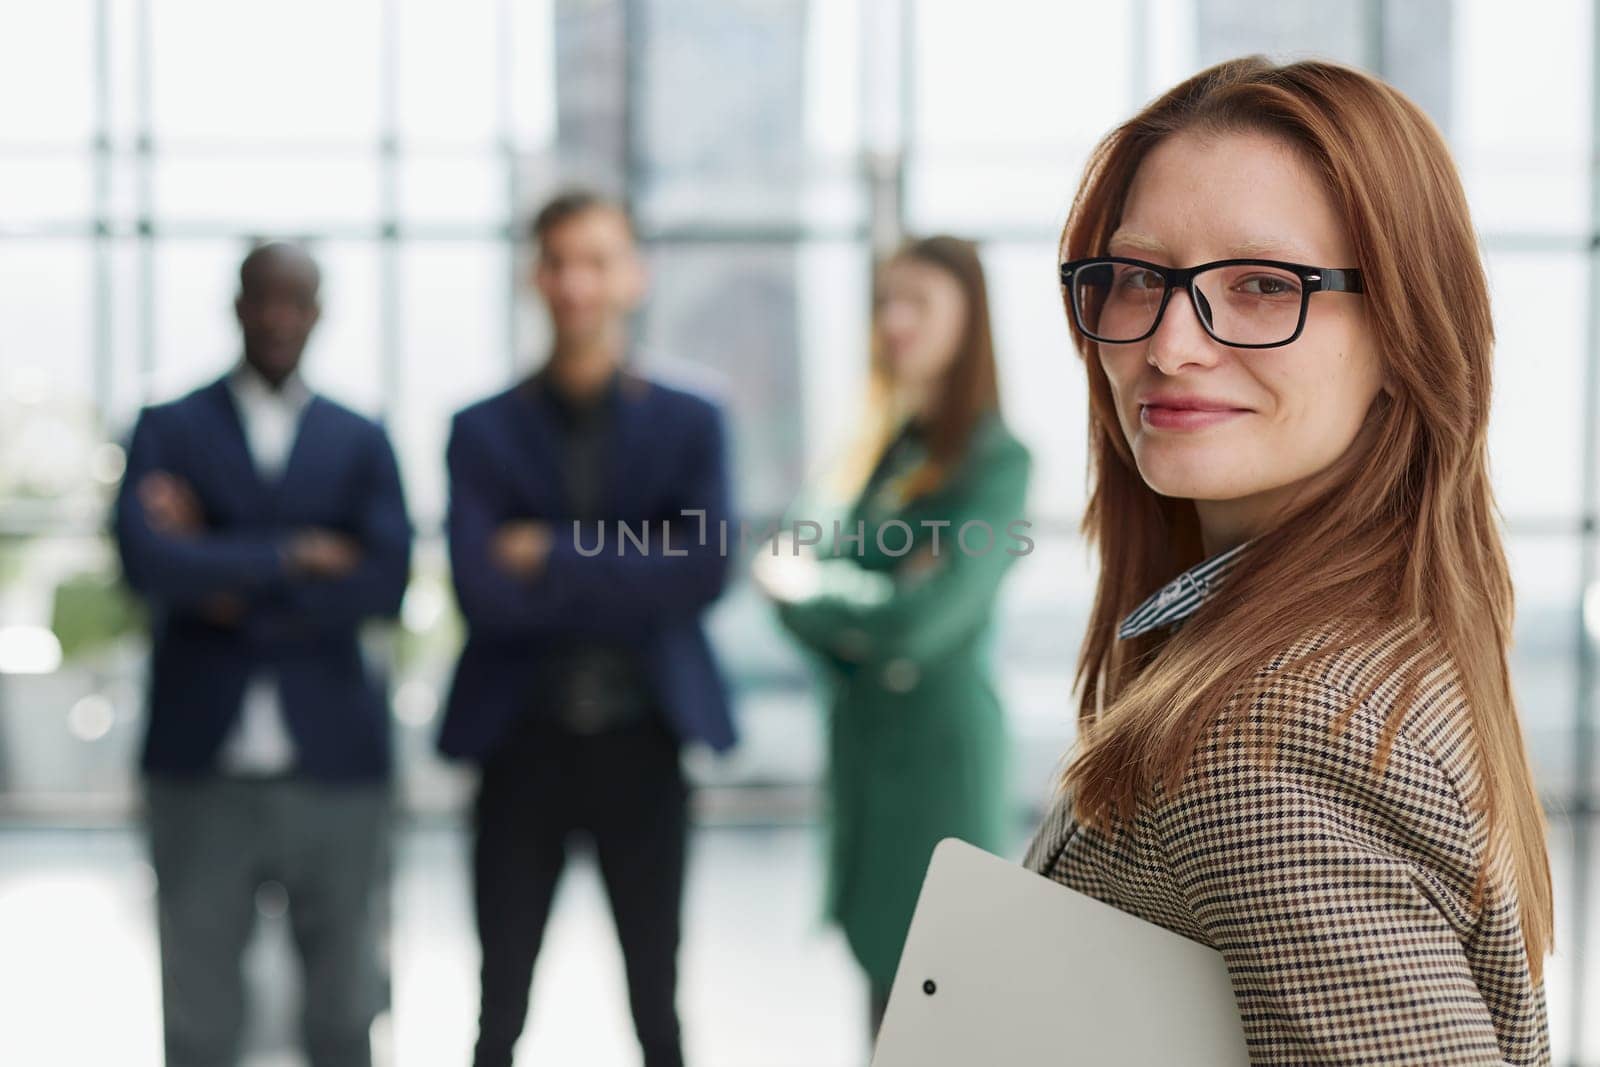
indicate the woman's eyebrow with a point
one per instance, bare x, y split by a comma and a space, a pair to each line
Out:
1278, 249
1137, 241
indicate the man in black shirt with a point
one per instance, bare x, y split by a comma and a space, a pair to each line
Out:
585, 670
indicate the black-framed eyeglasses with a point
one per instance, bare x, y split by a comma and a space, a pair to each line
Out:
1242, 303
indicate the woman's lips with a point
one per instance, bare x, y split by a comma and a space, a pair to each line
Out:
1163, 417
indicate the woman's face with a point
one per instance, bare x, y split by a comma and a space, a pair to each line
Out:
1240, 431
920, 318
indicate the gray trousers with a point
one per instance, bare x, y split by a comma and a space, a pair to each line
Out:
213, 842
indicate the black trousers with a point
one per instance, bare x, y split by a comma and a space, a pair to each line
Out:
626, 790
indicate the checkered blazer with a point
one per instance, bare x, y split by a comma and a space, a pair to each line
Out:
1341, 901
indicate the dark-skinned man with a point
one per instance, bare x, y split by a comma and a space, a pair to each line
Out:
263, 525
584, 672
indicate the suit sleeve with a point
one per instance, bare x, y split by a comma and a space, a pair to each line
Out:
1336, 897
180, 572
629, 586
868, 617
376, 587
491, 601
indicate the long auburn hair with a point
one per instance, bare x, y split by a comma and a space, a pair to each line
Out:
1408, 534
970, 388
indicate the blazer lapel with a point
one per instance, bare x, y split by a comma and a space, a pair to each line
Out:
538, 467
224, 434
312, 438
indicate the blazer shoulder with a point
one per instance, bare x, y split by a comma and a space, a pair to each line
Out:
993, 438
484, 420
1400, 674
161, 415
491, 408
697, 401
994, 451
682, 380
1378, 720
350, 420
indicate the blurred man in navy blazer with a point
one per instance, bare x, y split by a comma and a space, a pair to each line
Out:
263, 524
585, 518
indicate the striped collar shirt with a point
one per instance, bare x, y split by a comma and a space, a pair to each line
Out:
1181, 597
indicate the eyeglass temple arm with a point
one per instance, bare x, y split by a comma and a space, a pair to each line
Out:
1334, 280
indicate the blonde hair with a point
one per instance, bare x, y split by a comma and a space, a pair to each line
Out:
1415, 537
970, 388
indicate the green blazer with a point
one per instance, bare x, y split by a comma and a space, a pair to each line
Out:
917, 738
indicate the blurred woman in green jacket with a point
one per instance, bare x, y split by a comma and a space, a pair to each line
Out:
912, 533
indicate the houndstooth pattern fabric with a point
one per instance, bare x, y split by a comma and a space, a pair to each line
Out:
1341, 901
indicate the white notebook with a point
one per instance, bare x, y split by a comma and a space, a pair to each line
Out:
1003, 966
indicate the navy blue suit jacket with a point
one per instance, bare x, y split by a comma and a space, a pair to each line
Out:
340, 475
666, 454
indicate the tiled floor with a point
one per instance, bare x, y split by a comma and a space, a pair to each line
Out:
765, 984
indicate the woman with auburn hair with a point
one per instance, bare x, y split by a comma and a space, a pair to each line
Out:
897, 621
1298, 741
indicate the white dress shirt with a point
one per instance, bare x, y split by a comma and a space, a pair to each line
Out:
259, 742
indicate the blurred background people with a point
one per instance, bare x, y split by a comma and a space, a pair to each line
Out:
262, 525
898, 621
586, 668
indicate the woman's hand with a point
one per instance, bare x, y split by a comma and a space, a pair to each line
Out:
785, 571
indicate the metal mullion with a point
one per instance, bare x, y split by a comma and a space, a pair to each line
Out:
103, 370
505, 83
633, 153
633, 34
389, 355
1138, 54
1373, 37
359, 231
144, 199
1583, 710
688, 233
907, 87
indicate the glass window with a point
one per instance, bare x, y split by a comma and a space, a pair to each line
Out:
1042, 379
454, 324
1544, 573
1228, 28
47, 60
834, 293
533, 73
36, 192
466, 189
725, 317
1536, 431
742, 158
1008, 100
1522, 114
450, 57
47, 328
196, 336
267, 192
344, 359
309, 74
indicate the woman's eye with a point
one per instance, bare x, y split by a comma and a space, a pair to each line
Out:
1139, 279
1268, 285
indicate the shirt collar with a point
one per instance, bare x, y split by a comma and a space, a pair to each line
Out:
248, 385
1181, 597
